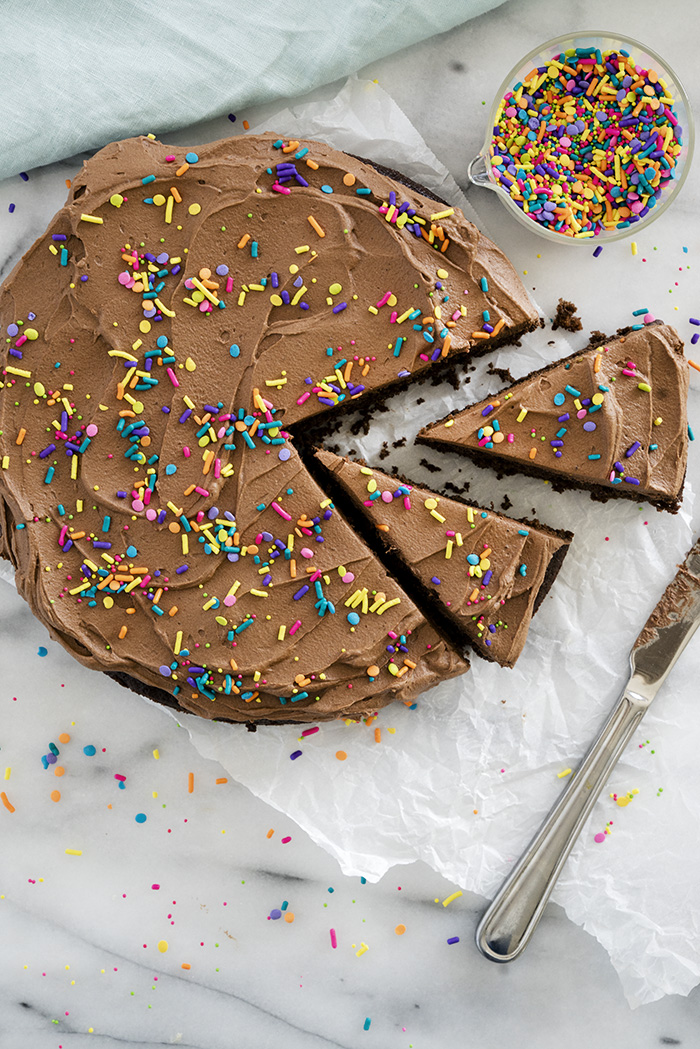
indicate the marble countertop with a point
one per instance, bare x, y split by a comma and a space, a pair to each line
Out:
160, 932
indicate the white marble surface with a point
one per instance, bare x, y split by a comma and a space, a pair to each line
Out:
74, 964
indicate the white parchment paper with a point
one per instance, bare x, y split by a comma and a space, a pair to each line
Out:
464, 780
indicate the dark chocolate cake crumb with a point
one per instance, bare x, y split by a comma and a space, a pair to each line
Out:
400, 443
421, 400
506, 504
431, 466
384, 451
565, 317
502, 373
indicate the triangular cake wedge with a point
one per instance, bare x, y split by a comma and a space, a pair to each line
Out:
611, 419
477, 574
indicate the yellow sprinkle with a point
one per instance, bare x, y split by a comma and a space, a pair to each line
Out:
566, 772
634, 247
301, 249
8, 770
18, 371
156, 754
178, 643
454, 896
194, 209
5, 462
164, 309
442, 214
169, 208
299, 294
74, 852
281, 632
448, 549
259, 593
404, 316
162, 946
363, 948
92, 218
521, 415
205, 291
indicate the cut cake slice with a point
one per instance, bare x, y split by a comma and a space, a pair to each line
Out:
480, 576
611, 419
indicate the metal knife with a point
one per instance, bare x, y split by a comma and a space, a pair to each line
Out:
512, 917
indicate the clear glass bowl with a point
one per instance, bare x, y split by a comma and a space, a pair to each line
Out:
480, 170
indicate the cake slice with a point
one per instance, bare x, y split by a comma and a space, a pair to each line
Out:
478, 575
611, 419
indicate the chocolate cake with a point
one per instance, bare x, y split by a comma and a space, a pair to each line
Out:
482, 575
183, 314
611, 419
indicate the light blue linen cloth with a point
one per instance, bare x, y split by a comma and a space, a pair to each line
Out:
76, 74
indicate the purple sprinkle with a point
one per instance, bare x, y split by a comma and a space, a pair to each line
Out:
694, 320
181, 569
340, 307
232, 117
631, 480
487, 577
632, 449
453, 939
276, 912
589, 426
295, 755
487, 410
51, 759
58, 236
435, 580
695, 338
11, 208
24, 176
12, 329
165, 671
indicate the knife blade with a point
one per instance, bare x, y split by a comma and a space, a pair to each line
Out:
513, 915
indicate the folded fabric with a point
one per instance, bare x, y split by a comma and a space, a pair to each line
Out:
75, 75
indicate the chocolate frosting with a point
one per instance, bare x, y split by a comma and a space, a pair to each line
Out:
612, 418
159, 517
486, 570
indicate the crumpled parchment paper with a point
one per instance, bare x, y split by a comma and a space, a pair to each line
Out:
463, 781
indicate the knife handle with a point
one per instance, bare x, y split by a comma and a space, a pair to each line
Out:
506, 927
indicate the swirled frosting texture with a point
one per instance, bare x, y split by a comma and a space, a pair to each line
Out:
612, 419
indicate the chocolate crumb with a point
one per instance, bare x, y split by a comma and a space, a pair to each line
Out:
431, 466
565, 317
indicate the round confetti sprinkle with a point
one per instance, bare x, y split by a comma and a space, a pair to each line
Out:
90, 751
140, 817
340, 755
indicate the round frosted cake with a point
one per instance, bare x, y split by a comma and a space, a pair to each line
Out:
182, 319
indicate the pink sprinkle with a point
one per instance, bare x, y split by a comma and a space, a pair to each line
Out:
383, 301
283, 513
286, 840
122, 779
144, 582
137, 505
217, 467
186, 452
334, 941
62, 535
304, 397
21, 341
125, 277
172, 376
168, 160
599, 837
280, 189
510, 438
201, 491
392, 635
295, 626
91, 430
649, 318
628, 371
392, 319
155, 885
407, 503
310, 731
147, 496
483, 441
229, 285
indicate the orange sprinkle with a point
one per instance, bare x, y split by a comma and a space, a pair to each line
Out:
176, 194
246, 125
497, 327
383, 527
172, 611
316, 226
243, 241
185, 965
598, 361
340, 755
289, 916
221, 779
190, 782
122, 632
694, 365
290, 147
400, 930
59, 770
6, 802
533, 453
446, 345
21, 435
55, 795
377, 735
445, 246
311, 164
182, 169
68, 183
270, 832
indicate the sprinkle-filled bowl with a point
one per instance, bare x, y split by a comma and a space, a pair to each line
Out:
590, 137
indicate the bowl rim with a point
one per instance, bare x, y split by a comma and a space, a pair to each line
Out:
666, 72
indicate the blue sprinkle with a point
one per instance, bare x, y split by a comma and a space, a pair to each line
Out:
140, 817
43, 651
326, 189
235, 350
89, 751
191, 158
